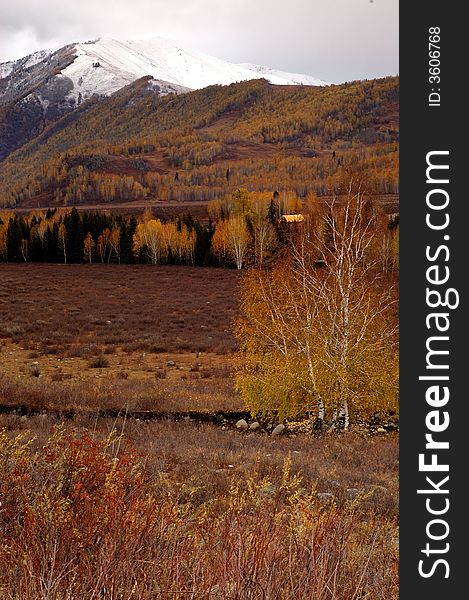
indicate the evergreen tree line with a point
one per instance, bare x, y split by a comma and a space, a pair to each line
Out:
244, 229
95, 236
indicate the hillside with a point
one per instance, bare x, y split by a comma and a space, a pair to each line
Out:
137, 145
38, 89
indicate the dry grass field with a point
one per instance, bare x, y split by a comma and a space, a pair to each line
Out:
117, 337
125, 508
83, 309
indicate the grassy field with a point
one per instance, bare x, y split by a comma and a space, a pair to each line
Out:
100, 507
118, 337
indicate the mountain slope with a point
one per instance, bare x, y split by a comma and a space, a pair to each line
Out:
200, 144
40, 88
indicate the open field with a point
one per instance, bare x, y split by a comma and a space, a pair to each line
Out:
78, 309
123, 508
121, 337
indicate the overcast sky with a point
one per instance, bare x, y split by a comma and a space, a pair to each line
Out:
335, 40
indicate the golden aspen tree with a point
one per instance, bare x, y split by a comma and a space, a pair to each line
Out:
170, 236
187, 240
62, 239
220, 241
231, 240
264, 238
319, 329
114, 244
3, 241
89, 246
103, 244
149, 236
238, 239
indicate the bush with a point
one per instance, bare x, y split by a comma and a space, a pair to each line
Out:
35, 370
81, 517
99, 362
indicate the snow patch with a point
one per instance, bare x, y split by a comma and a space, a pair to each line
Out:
44, 103
278, 77
26, 62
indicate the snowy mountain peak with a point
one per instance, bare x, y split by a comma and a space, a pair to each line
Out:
46, 85
105, 65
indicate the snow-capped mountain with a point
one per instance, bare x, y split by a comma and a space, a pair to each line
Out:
40, 88
103, 66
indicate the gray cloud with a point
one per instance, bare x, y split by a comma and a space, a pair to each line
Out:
336, 40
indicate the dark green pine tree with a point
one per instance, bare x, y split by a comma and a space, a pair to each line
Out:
36, 251
127, 230
55, 254
203, 244
273, 212
14, 240
75, 236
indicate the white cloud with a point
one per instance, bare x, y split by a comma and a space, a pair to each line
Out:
335, 40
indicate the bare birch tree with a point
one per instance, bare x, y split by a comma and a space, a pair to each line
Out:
322, 320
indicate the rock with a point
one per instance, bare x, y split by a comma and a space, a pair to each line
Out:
170, 363
254, 426
381, 430
108, 322
242, 425
279, 429
325, 498
351, 493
